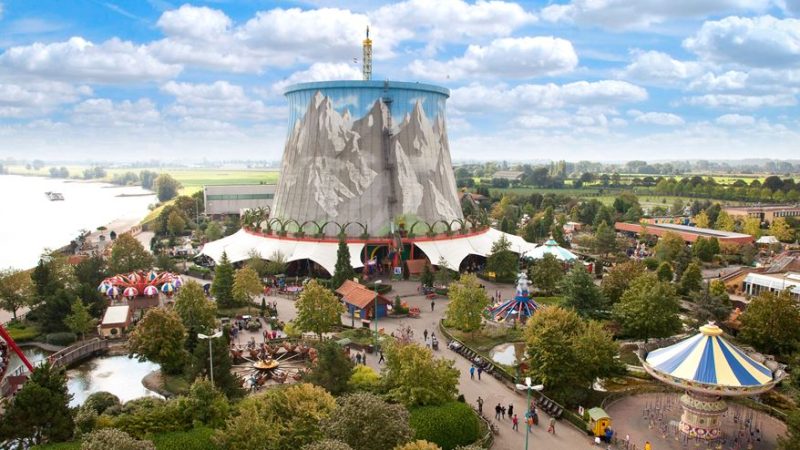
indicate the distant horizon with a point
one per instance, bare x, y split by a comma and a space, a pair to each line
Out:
529, 80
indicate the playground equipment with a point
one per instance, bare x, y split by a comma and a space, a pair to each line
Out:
520, 307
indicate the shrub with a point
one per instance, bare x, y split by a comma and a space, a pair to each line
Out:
327, 444
101, 401
448, 425
22, 333
63, 338
194, 439
254, 325
650, 263
113, 438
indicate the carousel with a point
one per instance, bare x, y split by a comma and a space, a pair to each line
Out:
551, 247
520, 307
140, 284
709, 369
265, 364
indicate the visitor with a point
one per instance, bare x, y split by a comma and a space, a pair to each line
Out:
425, 334
432, 305
480, 406
472, 372
609, 433
530, 421
503, 412
552, 427
627, 440
381, 359
358, 358
497, 412
647, 445
515, 423
480, 371
510, 406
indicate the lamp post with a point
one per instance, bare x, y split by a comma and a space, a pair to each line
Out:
210, 359
528, 387
375, 314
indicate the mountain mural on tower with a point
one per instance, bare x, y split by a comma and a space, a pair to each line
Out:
336, 167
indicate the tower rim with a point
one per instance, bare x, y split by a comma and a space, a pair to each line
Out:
313, 85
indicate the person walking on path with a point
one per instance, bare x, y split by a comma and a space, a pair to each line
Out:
647, 445
425, 335
552, 427
358, 358
503, 412
480, 371
364, 358
480, 406
432, 305
497, 412
381, 360
510, 408
472, 372
515, 423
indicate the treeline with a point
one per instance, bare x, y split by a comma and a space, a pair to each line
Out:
773, 189
145, 178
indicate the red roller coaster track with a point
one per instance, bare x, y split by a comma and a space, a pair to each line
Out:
13, 345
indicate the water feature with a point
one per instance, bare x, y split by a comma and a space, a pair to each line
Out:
119, 375
34, 355
506, 354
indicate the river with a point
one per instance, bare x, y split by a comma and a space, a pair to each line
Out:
32, 223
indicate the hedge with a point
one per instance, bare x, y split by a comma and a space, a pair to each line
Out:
63, 338
22, 333
194, 439
448, 425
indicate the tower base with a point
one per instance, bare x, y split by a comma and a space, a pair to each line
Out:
702, 415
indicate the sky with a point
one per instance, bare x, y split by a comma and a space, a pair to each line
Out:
577, 80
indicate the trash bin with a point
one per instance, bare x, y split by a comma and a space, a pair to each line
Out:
370, 348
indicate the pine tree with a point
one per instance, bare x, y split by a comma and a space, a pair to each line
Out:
427, 276
224, 380
79, 321
691, 279
664, 272
222, 287
343, 269
581, 294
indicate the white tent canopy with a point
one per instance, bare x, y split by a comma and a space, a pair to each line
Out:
239, 246
767, 240
456, 248
552, 247
453, 249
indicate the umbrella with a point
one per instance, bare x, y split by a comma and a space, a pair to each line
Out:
177, 281
134, 277
104, 286
168, 288
112, 292
152, 275
130, 292
151, 291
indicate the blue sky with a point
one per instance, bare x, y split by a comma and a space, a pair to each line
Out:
566, 79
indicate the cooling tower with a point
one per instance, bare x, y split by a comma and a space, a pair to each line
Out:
370, 152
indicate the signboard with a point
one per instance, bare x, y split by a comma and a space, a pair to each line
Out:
398, 271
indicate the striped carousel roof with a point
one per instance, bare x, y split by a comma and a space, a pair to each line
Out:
551, 247
709, 359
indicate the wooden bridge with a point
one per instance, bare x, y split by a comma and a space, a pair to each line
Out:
62, 358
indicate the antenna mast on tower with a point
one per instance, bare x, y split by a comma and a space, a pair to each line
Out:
366, 68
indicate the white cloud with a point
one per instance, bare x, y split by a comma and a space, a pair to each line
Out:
754, 42
113, 61
735, 120
30, 99
104, 112
580, 122
525, 57
627, 14
1, 10
731, 80
218, 100
480, 98
656, 118
195, 22
736, 101
320, 72
659, 68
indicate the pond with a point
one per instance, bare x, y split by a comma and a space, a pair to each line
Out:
119, 375
506, 354
34, 355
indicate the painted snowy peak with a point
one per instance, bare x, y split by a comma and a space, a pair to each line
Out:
345, 170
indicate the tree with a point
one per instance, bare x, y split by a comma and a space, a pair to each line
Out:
701, 220
605, 239
468, 300
197, 313
364, 378
752, 226
159, 337
318, 310
278, 419
692, 279
791, 440
222, 287
781, 230
711, 305
669, 247
771, 323
702, 249
224, 379
246, 285
213, 231
175, 223
677, 207
426, 278
569, 353
546, 273
648, 309
112, 438
365, 421
581, 294
664, 272
276, 264
327, 444
205, 404
39, 412
724, 222
166, 187
502, 261
619, 278
128, 255
343, 269
414, 377
16, 290
333, 368
79, 321
443, 275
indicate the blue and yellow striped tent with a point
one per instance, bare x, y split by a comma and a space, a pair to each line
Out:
709, 359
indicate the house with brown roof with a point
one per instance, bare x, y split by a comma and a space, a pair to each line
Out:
360, 299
